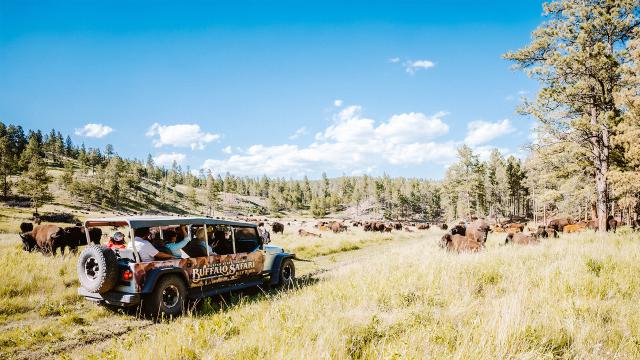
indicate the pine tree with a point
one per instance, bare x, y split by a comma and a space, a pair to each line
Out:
578, 55
34, 183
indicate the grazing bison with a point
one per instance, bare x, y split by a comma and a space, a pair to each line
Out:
459, 229
277, 228
559, 223
573, 228
303, 232
551, 232
47, 238
397, 226
541, 232
26, 227
612, 224
478, 231
459, 243
521, 239
423, 226
337, 227
444, 226
515, 228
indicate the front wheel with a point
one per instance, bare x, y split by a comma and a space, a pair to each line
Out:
287, 274
168, 298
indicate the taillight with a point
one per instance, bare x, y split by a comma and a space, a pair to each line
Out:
127, 275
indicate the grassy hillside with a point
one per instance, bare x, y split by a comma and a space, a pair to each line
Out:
402, 297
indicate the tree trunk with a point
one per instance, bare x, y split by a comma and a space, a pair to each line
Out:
600, 144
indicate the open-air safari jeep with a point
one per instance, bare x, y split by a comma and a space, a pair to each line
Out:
161, 287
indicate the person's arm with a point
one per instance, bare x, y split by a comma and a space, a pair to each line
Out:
178, 245
163, 256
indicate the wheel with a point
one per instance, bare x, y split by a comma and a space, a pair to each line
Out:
168, 298
287, 273
97, 268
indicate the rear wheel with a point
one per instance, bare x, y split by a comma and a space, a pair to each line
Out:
287, 273
168, 298
97, 268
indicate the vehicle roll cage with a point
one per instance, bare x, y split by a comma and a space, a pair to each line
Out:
136, 222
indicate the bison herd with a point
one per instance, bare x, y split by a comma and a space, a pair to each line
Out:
48, 238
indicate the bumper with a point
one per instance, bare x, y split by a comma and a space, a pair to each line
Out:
111, 297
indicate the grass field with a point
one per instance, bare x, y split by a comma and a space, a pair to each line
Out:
397, 297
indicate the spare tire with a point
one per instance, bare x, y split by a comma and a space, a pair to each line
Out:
97, 268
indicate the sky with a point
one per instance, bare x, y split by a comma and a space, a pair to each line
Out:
284, 89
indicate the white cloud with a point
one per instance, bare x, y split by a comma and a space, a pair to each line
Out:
482, 132
412, 66
394, 60
337, 102
169, 158
301, 131
94, 130
350, 142
227, 150
181, 135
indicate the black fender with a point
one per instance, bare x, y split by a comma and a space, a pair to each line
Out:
152, 276
275, 268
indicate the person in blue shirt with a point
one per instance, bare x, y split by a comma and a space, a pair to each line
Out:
173, 244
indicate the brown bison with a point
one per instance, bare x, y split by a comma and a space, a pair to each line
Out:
521, 239
573, 228
337, 227
559, 223
551, 232
47, 238
514, 228
478, 231
444, 226
612, 224
459, 243
423, 227
397, 226
303, 232
541, 232
277, 228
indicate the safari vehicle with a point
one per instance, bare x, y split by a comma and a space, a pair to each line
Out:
118, 277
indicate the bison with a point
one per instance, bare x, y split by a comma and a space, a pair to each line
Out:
75, 236
277, 228
573, 228
47, 238
337, 227
559, 223
459, 229
423, 227
521, 239
459, 243
612, 224
478, 231
397, 226
26, 227
303, 232
444, 226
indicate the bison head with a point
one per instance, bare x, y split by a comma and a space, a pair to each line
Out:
444, 241
28, 242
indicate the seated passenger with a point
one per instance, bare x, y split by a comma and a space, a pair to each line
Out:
223, 244
145, 249
116, 241
172, 243
202, 241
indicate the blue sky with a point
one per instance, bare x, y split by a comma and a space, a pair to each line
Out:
286, 89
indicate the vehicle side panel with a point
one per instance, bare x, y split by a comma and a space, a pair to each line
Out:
205, 270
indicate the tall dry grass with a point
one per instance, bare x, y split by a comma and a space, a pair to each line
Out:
574, 297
